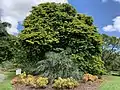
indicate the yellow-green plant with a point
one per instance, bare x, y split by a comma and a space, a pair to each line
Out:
23, 75
42, 82
33, 80
27, 79
30, 80
69, 83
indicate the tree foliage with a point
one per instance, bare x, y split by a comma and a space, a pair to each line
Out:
5, 49
52, 25
10, 48
111, 52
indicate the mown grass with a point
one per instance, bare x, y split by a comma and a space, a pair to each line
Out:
111, 83
6, 85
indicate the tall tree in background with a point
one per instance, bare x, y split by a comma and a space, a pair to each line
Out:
111, 52
5, 50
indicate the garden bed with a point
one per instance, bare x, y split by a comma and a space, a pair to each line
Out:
83, 86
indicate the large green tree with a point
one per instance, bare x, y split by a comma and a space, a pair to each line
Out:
51, 26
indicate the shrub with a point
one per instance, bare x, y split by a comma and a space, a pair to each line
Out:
42, 82
7, 65
16, 80
68, 83
89, 77
30, 80
23, 75
58, 65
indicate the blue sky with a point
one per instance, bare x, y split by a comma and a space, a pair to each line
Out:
102, 12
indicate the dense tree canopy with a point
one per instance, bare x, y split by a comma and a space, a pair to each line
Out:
51, 26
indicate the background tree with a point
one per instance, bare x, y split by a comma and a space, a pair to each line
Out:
51, 26
5, 50
11, 51
111, 52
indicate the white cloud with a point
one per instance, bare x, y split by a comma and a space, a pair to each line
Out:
14, 23
117, 1
57, 1
17, 10
108, 28
114, 27
112, 0
104, 1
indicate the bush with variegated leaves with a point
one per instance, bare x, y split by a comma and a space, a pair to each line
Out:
30, 80
68, 83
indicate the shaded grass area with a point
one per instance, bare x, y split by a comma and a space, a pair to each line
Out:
111, 83
6, 85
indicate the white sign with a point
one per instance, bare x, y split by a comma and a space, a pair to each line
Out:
18, 71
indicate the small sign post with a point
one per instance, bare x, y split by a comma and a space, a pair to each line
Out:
18, 71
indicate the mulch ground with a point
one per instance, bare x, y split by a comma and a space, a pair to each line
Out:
83, 86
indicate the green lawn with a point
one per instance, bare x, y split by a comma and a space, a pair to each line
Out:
111, 83
5, 85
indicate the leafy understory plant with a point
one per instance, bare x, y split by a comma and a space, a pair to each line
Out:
30, 80
42, 82
68, 83
58, 65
